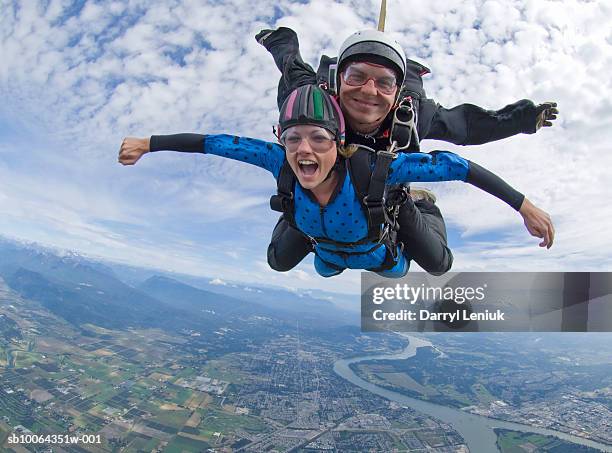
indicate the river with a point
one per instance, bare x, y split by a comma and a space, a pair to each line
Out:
477, 430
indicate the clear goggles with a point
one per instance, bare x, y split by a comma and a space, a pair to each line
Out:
320, 140
358, 74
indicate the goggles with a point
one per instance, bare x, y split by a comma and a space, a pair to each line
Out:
320, 141
358, 74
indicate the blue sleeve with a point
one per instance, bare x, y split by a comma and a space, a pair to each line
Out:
434, 166
269, 156
447, 166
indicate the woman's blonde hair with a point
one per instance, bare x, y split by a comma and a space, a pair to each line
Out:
347, 151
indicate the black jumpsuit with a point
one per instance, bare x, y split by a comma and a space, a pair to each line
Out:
422, 228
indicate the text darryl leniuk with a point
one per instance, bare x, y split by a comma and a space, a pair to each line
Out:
412, 294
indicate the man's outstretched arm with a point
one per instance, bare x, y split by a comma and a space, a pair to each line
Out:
468, 124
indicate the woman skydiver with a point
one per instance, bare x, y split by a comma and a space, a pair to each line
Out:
326, 205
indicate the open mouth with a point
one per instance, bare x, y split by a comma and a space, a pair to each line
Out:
308, 167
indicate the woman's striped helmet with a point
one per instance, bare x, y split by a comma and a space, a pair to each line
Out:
312, 105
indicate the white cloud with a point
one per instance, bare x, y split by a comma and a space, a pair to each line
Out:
303, 276
73, 86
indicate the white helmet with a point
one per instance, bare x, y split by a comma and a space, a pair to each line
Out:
374, 46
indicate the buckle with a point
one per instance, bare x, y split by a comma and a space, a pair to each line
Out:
384, 233
403, 124
389, 154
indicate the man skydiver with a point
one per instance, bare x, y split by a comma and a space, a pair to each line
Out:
370, 71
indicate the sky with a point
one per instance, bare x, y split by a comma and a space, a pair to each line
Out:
79, 76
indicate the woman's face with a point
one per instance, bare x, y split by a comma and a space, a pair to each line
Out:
311, 152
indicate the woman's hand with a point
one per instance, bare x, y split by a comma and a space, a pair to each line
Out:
132, 149
538, 223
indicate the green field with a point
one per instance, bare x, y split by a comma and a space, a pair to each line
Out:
180, 444
223, 370
482, 394
180, 396
402, 380
175, 419
25, 359
218, 421
452, 395
518, 442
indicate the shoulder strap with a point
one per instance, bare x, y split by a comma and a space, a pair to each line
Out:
370, 185
375, 199
413, 80
283, 200
360, 170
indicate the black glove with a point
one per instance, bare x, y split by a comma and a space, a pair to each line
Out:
546, 113
263, 34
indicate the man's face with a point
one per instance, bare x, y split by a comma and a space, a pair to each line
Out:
367, 94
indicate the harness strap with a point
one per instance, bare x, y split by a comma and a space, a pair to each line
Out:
322, 240
374, 201
345, 252
390, 259
370, 185
359, 168
283, 200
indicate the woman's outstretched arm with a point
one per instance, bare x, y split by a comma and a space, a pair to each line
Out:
266, 155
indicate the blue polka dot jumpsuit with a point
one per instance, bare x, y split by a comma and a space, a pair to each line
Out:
343, 219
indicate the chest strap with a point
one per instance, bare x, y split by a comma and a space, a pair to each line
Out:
371, 187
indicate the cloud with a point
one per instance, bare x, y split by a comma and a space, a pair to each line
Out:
79, 77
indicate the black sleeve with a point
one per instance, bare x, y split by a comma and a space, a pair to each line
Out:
468, 124
284, 46
493, 184
185, 143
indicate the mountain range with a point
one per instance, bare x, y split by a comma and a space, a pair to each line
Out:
82, 290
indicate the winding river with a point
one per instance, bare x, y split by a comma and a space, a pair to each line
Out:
476, 430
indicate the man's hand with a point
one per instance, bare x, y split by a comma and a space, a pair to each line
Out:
546, 113
538, 223
132, 149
